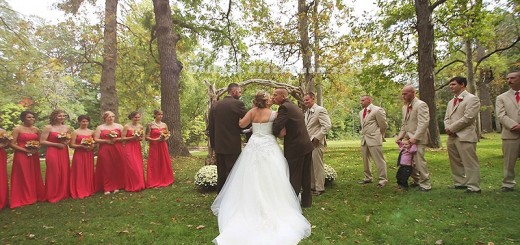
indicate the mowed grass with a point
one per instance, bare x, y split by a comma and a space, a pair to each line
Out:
348, 213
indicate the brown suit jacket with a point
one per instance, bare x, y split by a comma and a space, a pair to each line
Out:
224, 132
297, 141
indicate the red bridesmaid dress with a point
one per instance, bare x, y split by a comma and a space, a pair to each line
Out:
82, 171
159, 171
26, 176
57, 172
134, 173
109, 166
4, 191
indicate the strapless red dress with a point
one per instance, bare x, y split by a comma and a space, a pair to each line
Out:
26, 176
110, 174
159, 171
134, 173
4, 190
82, 171
57, 171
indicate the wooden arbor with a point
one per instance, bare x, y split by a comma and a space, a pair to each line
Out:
215, 94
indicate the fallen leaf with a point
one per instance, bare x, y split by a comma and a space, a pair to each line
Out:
438, 242
31, 236
367, 218
200, 227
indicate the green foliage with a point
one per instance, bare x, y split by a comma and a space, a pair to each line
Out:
10, 115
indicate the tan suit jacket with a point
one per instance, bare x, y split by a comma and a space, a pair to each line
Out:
415, 123
462, 118
508, 113
373, 126
318, 123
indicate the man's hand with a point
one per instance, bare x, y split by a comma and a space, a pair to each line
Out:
413, 140
315, 142
515, 129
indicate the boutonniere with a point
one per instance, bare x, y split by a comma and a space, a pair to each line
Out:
460, 99
311, 110
368, 110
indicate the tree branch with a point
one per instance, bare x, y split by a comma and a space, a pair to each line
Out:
435, 4
497, 50
445, 66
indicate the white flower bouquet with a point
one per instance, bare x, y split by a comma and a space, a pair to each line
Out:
206, 178
330, 173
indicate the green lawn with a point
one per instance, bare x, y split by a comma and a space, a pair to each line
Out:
347, 213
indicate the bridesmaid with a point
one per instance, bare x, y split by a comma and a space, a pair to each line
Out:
26, 177
56, 137
82, 170
132, 136
109, 172
159, 171
4, 190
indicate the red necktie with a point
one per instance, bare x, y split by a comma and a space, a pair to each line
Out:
365, 112
517, 97
408, 109
455, 101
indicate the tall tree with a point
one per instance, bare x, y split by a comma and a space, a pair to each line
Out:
426, 63
305, 48
170, 68
108, 99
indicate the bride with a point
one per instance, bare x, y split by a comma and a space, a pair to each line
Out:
257, 204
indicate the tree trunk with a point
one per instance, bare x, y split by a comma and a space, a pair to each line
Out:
469, 66
318, 79
486, 105
303, 30
108, 99
170, 69
426, 66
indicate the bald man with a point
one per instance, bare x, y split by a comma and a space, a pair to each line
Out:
297, 145
416, 116
508, 113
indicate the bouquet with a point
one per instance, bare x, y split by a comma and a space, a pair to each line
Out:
206, 178
64, 136
138, 133
87, 141
32, 145
165, 133
5, 137
112, 134
330, 174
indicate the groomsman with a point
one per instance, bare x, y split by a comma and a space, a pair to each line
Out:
416, 117
224, 132
373, 127
318, 124
508, 113
459, 123
297, 146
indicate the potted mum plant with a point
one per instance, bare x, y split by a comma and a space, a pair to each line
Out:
206, 178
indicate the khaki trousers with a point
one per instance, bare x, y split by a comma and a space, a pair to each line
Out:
510, 150
465, 167
376, 153
420, 173
318, 171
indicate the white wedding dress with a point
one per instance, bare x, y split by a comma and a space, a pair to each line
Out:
257, 205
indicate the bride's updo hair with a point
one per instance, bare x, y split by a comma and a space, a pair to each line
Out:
261, 99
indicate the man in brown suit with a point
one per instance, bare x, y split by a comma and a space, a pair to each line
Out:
224, 132
416, 116
373, 127
297, 146
508, 113
459, 123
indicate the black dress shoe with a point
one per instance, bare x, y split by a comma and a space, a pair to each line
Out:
458, 187
364, 182
506, 189
470, 191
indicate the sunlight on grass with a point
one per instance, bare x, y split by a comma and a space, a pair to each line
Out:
347, 213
